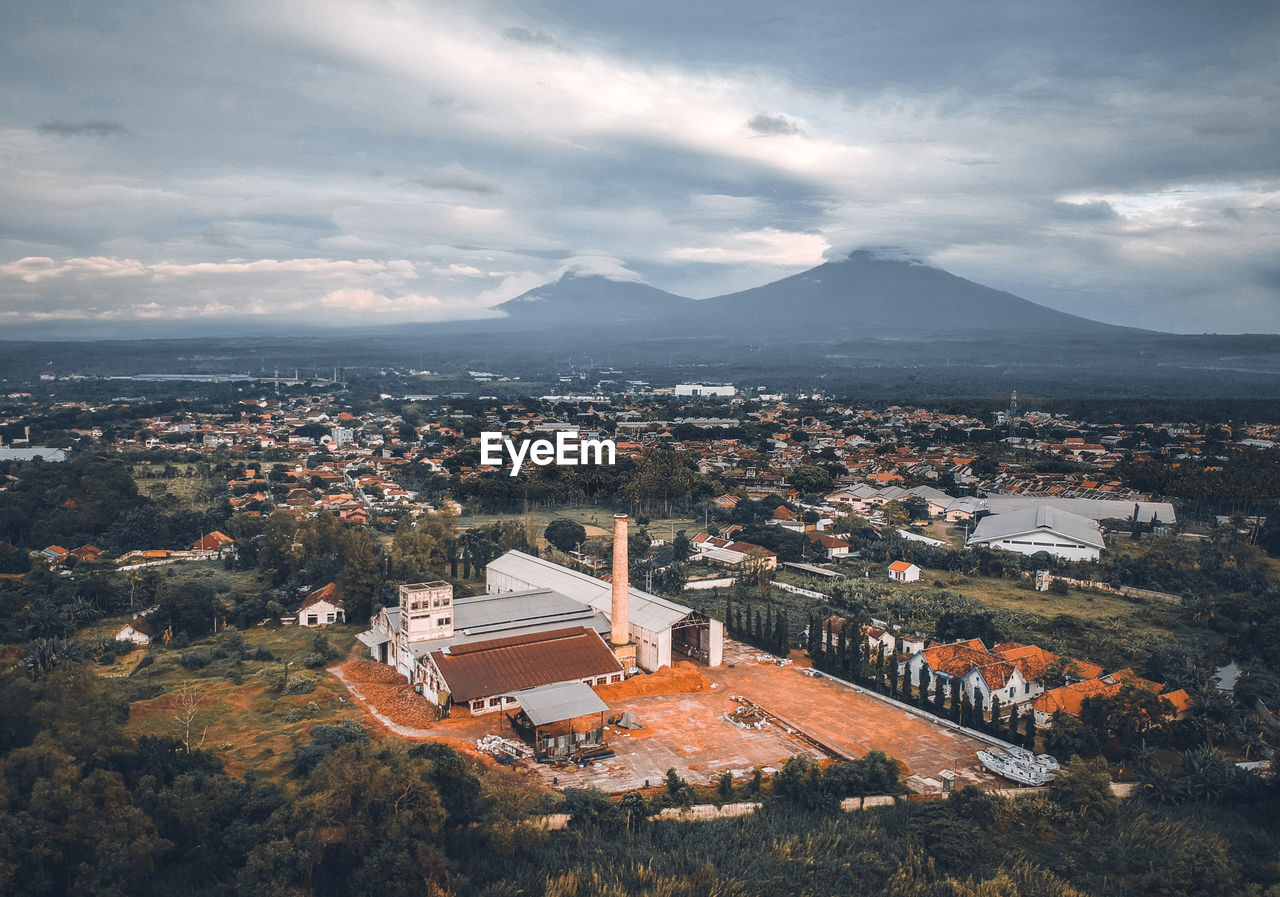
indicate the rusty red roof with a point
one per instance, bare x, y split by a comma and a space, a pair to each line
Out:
504, 665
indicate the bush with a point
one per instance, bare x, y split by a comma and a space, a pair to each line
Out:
300, 685
314, 661
195, 660
262, 654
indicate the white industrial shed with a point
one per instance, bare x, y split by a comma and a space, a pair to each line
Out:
659, 627
1043, 528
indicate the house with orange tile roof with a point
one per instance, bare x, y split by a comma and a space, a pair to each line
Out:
982, 674
1070, 698
904, 571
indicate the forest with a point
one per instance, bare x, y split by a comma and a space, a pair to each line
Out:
86, 809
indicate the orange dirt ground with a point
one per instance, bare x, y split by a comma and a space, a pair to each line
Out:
368, 671
390, 694
679, 679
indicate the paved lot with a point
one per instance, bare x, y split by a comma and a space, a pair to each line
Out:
852, 722
689, 732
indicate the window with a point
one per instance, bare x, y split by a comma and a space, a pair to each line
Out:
495, 702
443, 621
477, 706
312, 620
328, 618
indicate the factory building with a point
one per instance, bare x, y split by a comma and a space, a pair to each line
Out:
660, 629
537, 625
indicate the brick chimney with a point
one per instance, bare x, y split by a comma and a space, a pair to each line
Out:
620, 633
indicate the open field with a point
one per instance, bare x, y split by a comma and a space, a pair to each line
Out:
189, 489
248, 723
596, 519
1135, 614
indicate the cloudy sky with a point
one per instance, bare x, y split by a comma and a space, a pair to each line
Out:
207, 166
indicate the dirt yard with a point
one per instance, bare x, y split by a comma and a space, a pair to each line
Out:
689, 731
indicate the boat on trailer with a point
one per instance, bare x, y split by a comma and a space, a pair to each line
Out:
1020, 765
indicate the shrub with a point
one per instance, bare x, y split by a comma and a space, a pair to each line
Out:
195, 660
299, 685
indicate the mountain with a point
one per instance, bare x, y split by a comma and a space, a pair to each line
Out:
890, 296
867, 295
578, 300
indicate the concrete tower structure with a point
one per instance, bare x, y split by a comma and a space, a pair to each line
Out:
620, 606
620, 618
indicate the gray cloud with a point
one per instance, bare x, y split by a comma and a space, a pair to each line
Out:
770, 125
455, 177
1073, 154
1098, 210
82, 129
532, 38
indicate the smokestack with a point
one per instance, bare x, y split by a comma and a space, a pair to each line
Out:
620, 634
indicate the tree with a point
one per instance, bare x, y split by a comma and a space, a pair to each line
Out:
755, 570
1068, 737
635, 809
673, 782
188, 701
809, 478
1083, 788
681, 547
361, 577
565, 534
1131, 714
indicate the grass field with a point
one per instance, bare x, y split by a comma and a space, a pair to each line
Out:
189, 490
229, 585
233, 702
596, 519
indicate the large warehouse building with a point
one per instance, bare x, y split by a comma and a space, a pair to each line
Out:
661, 630
538, 625
1041, 528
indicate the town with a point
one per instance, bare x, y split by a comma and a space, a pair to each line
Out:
761, 587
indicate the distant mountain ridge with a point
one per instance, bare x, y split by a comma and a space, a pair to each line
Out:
578, 299
870, 293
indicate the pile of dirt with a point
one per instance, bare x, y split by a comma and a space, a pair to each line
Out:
368, 671
400, 704
673, 680
390, 693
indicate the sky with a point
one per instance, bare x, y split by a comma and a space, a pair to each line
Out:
207, 167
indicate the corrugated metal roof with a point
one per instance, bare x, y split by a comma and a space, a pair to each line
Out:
1042, 518
1093, 508
553, 703
647, 611
503, 666
373, 638
477, 613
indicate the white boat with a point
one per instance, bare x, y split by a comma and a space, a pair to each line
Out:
1019, 765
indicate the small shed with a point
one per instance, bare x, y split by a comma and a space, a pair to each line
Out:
564, 721
903, 571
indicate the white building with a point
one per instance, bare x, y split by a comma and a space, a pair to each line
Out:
662, 630
902, 571
702, 389
1042, 528
322, 607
